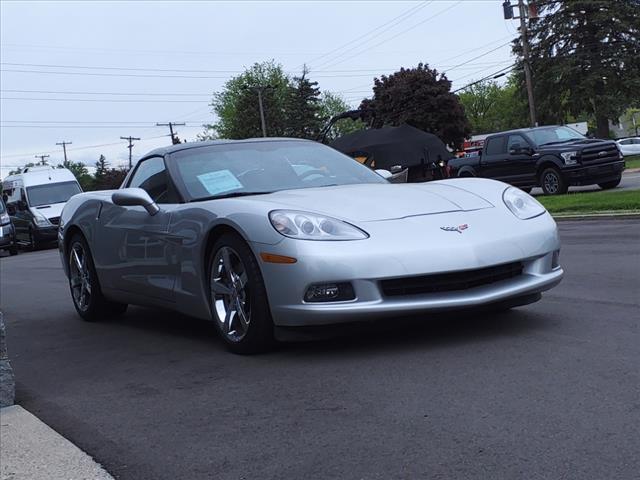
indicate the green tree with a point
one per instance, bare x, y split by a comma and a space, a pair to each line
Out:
585, 57
492, 108
19, 170
303, 108
79, 171
332, 104
422, 98
236, 106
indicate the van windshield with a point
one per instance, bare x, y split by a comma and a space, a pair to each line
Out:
51, 193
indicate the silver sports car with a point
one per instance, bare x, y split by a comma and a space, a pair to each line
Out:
263, 235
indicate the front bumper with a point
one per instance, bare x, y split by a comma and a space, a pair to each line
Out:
592, 174
7, 236
423, 249
45, 234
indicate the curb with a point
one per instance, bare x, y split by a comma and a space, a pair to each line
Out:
7, 381
598, 216
631, 170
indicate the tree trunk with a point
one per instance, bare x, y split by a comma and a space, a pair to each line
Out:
602, 126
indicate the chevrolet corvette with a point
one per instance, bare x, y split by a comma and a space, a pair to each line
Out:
264, 235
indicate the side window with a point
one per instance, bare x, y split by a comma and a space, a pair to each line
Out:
516, 140
496, 146
151, 175
626, 142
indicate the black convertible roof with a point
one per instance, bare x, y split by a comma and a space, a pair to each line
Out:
189, 145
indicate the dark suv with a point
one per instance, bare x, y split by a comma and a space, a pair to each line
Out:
550, 157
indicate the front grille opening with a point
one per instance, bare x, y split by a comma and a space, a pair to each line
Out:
450, 281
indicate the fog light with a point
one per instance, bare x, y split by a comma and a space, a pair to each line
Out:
330, 292
555, 259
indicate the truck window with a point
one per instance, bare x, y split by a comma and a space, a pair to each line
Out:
516, 139
496, 146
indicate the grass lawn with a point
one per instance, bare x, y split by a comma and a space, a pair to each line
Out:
632, 161
593, 202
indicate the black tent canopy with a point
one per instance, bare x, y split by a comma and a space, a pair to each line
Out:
388, 146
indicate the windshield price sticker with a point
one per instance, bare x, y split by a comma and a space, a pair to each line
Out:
219, 181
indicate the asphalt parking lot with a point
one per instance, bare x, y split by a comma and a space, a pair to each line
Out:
547, 391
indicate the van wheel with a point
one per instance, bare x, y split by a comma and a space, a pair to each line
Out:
85, 289
552, 182
611, 184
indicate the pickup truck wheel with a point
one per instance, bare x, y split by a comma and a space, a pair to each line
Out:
611, 184
552, 182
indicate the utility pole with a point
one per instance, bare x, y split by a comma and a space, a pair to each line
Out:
42, 159
174, 138
260, 91
508, 15
64, 148
130, 147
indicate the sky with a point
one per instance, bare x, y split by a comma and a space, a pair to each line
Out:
91, 72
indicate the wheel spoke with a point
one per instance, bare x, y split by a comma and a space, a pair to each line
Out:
244, 321
220, 288
242, 280
227, 319
76, 259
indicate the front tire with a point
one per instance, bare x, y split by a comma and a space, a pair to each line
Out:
239, 304
86, 294
611, 184
552, 182
13, 250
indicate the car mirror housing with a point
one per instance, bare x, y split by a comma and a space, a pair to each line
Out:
386, 174
130, 197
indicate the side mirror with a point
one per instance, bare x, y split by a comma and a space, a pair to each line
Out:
395, 169
130, 197
386, 174
515, 149
21, 205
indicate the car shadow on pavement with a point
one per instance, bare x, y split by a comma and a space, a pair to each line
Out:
423, 332
389, 334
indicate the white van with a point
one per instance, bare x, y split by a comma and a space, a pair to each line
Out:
35, 199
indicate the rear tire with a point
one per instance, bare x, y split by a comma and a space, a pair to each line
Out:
552, 182
611, 184
239, 303
86, 293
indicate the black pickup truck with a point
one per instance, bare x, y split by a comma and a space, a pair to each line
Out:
550, 157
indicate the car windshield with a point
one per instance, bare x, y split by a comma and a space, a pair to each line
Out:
49, 193
549, 135
262, 167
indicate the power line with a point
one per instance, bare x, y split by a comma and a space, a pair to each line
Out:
174, 136
67, 92
49, 99
499, 73
64, 148
394, 21
391, 38
130, 139
86, 147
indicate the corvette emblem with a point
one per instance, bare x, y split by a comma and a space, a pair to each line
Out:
458, 229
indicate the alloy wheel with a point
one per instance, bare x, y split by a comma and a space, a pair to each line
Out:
79, 277
551, 182
230, 293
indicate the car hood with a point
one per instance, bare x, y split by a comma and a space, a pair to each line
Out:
50, 211
375, 202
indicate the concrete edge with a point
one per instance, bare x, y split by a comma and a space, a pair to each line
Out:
598, 216
631, 170
31, 449
7, 380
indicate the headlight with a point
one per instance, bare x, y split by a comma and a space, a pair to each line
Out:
570, 158
311, 226
4, 219
40, 220
521, 204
